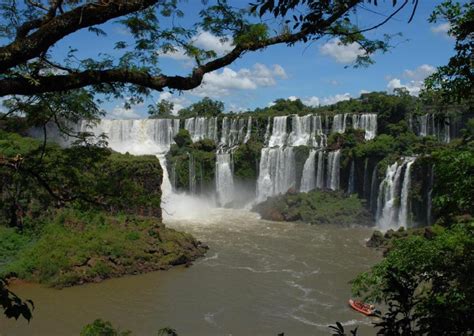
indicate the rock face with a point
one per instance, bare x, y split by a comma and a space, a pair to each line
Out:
316, 207
384, 242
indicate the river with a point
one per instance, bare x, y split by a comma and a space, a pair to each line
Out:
258, 278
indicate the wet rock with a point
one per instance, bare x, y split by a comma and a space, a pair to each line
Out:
376, 240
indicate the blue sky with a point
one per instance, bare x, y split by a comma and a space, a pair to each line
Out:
317, 73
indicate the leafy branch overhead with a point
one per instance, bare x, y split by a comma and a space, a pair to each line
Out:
31, 30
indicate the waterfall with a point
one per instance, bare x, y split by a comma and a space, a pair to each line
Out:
365, 186
224, 131
392, 202
224, 179
249, 130
373, 190
386, 199
367, 122
439, 127
403, 214
300, 130
200, 128
266, 137
429, 198
308, 179
351, 184
172, 176
333, 170
337, 124
320, 172
192, 175
279, 134
276, 172
423, 125
146, 136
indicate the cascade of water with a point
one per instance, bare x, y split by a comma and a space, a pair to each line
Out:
447, 131
241, 129
266, 137
367, 122
166, 187
234, 133
224, 179
276, 172
147, 136
224, 131
300, 130
172, 176
333, 170
192, 175
279, 134
423, 120
386, 199
316, 132
392, 203
249, 130
337, 124
429, 199
320, 172
351, 184
365, 184
308, 178
344, 122
373, 190
403, 212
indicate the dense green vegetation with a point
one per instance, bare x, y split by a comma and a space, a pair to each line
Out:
426, 284
198, 156
82, 213
316, 207
39, 176
69, 247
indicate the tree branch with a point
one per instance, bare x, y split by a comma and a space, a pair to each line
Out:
48, 33
41, 84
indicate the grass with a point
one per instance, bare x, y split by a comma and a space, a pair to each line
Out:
75, 247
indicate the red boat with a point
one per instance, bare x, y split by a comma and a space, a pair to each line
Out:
364, 308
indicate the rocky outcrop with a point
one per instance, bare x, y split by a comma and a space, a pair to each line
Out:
316, 207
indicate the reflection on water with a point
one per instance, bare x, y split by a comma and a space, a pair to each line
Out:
258, 278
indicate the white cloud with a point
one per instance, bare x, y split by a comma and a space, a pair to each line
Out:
178, 54
236, 108
442, 29
203, 40
279, 71
122, 113
312, 101
361, 92
419, 73
340, 52
415, 79
334, 99
315, 101
209, 41
221, 83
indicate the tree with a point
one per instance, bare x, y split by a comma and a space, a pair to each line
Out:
455, 81
205, 107
426, 284
13, 306
163, 109
30, 30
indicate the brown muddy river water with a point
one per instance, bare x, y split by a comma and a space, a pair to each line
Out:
258, 278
